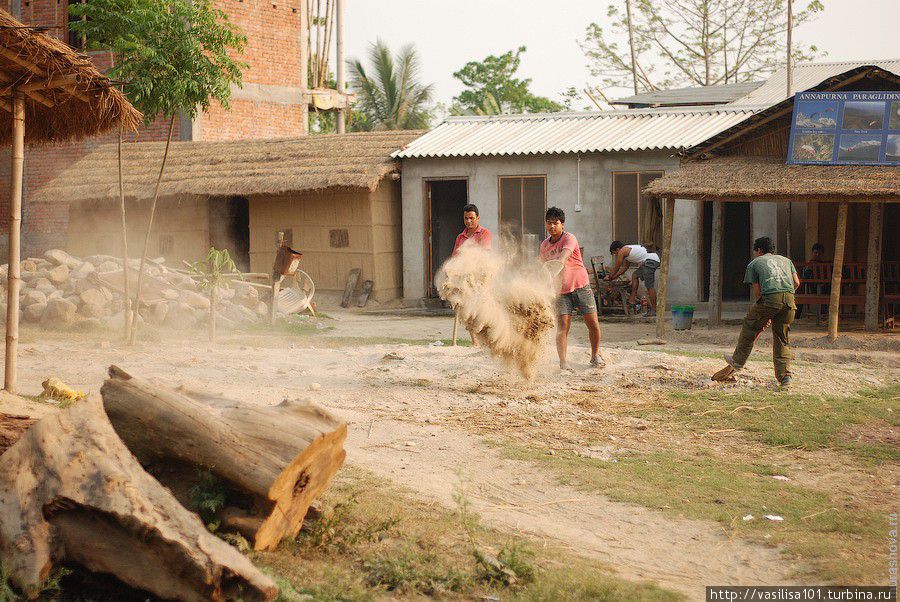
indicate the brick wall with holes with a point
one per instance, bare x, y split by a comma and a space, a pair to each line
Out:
272, 56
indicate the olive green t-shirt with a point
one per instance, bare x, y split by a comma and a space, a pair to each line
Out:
773, 273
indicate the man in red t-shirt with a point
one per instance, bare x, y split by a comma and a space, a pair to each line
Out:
575, 295
473, 231
479, 235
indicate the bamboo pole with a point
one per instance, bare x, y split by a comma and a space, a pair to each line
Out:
276, 281
836, 272
873, 269
140, 276
664, 268
715, 265
304, 66
340, 64
14, 275
126, 295
455, 324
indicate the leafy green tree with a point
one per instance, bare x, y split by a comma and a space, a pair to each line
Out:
390, 95
493, 81
694, 42
175, 57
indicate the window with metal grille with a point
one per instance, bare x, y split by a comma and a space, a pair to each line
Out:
339, 238
166, 244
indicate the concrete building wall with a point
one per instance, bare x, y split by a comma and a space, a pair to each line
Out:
592, 225
321, 223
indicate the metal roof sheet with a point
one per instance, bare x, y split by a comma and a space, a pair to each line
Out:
806, 76
695, 95
557, 133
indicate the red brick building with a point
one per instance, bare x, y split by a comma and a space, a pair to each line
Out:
269, 105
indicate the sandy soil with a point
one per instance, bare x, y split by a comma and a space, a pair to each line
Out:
422, 421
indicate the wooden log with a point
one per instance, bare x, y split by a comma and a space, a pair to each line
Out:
834, 302
70, 491
873, 268
278, 459
715, 265
665, 262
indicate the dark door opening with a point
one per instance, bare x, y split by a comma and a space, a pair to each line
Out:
736, 249
446, 199
229, 228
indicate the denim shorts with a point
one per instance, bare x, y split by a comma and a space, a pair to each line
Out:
647, 272
579, 302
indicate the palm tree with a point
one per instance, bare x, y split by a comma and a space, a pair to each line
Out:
390, 95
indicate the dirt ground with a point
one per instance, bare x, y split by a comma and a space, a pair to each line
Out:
428, 417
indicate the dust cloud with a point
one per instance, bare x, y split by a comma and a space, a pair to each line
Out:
506, 299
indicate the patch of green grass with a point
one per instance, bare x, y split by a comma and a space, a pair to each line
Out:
840, 540
374, 541
805, 422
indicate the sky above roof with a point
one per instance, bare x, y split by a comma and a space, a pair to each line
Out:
449, 34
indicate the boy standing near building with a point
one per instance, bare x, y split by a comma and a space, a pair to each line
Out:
774, 280
480, 235
575, 295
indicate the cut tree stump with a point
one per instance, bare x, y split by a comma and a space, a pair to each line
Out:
274, 459
70, 491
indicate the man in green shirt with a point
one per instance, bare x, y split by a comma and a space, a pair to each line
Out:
774, 280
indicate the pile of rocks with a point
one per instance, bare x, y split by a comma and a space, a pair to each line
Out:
60, 290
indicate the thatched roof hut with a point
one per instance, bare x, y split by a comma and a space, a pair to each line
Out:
235, 167
742, 178
66, 97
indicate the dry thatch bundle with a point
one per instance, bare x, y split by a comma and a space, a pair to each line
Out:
66, 97
234, 167
740, 177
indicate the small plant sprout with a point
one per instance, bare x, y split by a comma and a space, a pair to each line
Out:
215, 272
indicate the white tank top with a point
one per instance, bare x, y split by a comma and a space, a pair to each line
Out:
639, 254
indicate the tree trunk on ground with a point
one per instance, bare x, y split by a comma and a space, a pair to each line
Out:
275, 460
70, 491
137, 295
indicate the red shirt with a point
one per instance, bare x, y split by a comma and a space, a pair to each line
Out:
481, 235
574, 275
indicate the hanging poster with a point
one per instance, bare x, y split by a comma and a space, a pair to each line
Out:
845, 128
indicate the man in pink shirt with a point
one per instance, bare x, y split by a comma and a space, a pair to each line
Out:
473, 231
477, 233
575, 294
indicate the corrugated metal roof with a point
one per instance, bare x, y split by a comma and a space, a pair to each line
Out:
806, 76
696, 95
555, 133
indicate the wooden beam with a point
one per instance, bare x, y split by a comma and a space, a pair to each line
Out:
47, 84
873, 269
834, 304
715, 265
14, 274
666, 261
15, 58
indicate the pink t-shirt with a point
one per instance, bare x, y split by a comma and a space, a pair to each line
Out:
481, 235
574, 275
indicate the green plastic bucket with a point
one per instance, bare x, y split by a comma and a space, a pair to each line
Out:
682, 317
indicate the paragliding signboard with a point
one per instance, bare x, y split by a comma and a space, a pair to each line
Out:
845, 128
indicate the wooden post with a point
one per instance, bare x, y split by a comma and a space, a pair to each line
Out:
14, 275
304, 66
455, 324
715, 265
276, 281
664, 268
873, 269
339, 67
834, 304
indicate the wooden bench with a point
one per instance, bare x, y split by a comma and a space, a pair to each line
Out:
890, 291
815, 284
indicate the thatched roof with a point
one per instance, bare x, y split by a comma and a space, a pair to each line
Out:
770, 179
235, 167
66, 97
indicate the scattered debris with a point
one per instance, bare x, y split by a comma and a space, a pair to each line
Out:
651, 342
780, 477
393, 355
747, 518
773, 517
59, 391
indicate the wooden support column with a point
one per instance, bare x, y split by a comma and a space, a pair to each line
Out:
276, 280
666, 261
340, 67
304, 66
14, 275
834, 304
715, 265
873, 269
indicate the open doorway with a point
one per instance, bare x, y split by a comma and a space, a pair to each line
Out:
736, 245
229, 228
446, 199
